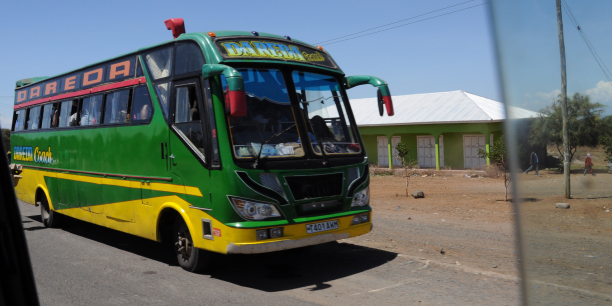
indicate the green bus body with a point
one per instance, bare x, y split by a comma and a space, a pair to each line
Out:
133, 177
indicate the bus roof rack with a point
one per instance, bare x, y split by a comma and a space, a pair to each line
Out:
28, 81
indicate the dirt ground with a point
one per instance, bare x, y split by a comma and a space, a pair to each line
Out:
464, 223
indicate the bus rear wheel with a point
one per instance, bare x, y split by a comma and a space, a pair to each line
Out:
49, 218
189, 257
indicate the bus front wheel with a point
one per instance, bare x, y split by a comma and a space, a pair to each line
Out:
189, 257
49, 217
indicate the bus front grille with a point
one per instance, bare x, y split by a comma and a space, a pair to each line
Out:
315, 186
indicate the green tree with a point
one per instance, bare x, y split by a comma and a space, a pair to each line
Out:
497, 155
585, 124
6, 139
407, 162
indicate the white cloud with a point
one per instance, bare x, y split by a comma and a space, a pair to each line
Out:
602, 92
539, 100
547, 96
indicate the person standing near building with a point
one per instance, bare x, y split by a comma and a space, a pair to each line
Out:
533, 160
588, 165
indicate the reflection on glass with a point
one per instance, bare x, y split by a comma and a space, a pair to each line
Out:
117, 107
159, 63
188, 116
20, 121
34, 118
91, 110
566, 240
163, 93
270, 120
324, 108
141, 105
48, 114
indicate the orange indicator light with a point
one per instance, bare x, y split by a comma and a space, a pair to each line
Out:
320, 48
212, 34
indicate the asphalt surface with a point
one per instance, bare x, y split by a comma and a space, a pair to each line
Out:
85, 264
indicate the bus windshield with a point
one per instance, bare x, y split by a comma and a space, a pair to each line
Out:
269, 113
325, 111
271, 120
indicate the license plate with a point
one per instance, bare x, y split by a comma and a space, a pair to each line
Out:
322, 226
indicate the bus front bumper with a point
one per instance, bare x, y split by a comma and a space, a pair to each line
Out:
300, 240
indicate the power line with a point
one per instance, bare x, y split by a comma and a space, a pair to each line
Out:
586, 40
467, 8
391, 23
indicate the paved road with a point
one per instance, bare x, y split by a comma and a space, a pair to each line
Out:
85, 264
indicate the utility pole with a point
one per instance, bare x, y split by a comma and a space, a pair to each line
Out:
566, 161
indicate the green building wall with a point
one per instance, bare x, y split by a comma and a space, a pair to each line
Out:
453, 138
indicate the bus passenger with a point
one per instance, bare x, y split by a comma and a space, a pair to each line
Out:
54, 116
141, 105
73, 116
89, 113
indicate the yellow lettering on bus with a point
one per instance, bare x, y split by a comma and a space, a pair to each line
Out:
262, 49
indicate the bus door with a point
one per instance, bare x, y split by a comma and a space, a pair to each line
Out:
187, 143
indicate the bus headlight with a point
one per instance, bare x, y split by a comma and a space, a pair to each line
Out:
361, 198
254, 210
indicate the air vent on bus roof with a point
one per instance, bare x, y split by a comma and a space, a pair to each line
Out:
28, 81
176, 25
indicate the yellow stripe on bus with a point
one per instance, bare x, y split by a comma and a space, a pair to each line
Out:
194, 191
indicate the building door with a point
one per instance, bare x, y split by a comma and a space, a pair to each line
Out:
383, 151
426, 151
471, 145
394, 141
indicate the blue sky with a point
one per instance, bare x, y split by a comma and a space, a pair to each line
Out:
452, 52
529, 47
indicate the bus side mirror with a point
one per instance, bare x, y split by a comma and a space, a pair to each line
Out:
235, 97
383, 93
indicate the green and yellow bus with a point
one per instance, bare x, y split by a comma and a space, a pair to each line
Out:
227, 142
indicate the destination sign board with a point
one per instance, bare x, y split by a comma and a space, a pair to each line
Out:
270, 49
109, 72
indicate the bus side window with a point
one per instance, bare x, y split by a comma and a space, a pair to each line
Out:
159, 63
188, 114
142, 107
116, 107
188, 59
33, 118
19, 120
68, 113
91, 108
49, 116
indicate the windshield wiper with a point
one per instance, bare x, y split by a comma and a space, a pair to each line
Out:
268, 140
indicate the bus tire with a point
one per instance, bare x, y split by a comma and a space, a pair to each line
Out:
189, 258
49, 218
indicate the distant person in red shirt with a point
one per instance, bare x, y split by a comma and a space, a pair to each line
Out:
588, 165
